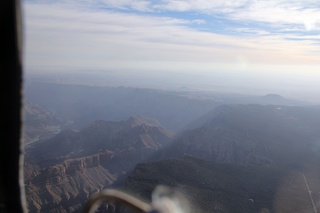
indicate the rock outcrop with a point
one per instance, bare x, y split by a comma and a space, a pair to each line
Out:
64, 187
62, 172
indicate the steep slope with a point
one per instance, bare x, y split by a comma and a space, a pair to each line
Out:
39, 123
215, 187
66, 186
135, 134
253, 134
61, 172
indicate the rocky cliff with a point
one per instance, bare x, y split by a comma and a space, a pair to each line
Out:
64, 187
62, 172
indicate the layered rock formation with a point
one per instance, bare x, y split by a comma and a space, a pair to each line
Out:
62, 172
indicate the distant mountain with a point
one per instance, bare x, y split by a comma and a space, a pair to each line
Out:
219, 187
61, 172
255, 158
137, 133
84, 104
256, 152
276, 99
253, 134
39, 123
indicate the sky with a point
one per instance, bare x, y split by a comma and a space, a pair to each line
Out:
274, 39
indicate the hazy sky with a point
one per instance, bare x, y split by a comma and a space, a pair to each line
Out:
247, 37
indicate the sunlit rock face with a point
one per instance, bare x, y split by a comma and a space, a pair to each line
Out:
62, 172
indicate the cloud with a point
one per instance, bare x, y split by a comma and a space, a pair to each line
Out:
86, 35
251, 31
306, 14
218, 6
281, 13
